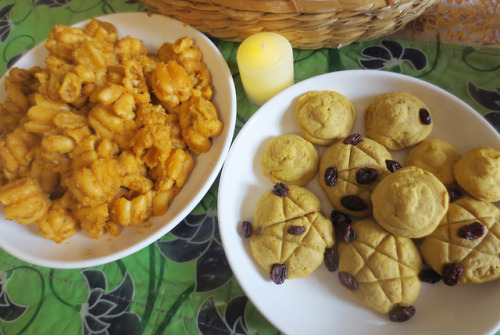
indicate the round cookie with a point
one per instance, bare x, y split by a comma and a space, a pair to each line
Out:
344, 173
466, 243
382, 269
410, 202
324, 116
290, 230
436, 156
478, 172
397, 120
289, 159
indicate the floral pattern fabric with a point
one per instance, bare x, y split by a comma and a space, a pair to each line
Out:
182, 284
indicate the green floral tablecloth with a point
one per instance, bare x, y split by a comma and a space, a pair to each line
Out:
182, 284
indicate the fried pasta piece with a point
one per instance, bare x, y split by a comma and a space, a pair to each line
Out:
20, 86
58, 223
97, 184
185, 53
24, 200
171, 83
17, 151
152, 142
170, 178
199, 122
94, 219
134, 211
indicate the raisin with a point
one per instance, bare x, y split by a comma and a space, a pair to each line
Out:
296, 230
454, 194
429, 276
452, 273
330, 176
280, 190
331, 259
472, 231
346, 233
401, 313
343, 228
353, 139
353, 203
366, 175
338, 217
425, 116
246, 227
348, 281
392, 166
278, 273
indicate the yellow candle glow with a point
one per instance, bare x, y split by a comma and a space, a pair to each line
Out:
265, 62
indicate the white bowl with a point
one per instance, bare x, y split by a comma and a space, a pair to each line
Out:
25, 242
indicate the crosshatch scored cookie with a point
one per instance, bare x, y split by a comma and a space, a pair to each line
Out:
397, 120
465, 247
379, 269
289, 159
324, 116
349, 170
290, 231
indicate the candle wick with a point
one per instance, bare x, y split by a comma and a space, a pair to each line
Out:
263, 46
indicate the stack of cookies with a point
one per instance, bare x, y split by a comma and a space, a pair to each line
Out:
427, 219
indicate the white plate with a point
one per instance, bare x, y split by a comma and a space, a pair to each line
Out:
24, 241
318, 304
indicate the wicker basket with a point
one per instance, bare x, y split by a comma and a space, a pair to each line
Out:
307, 24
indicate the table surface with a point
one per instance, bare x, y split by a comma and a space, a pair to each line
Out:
166, 291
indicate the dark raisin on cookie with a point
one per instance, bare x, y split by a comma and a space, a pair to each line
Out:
392, 165
472, 231
366, 175
246, 227
353, 203
278, 273
296, 230
429, 276
280, 190
330, 176
452, 272
353, 139
425, 116
331, 259
454, 194
401, 313
338, 217
348, 281
343, 226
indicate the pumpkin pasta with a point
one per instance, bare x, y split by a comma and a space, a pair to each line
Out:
104, 135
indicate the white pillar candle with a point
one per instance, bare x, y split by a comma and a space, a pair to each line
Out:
265, 62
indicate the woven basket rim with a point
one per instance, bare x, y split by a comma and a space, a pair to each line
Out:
302, 6
308, 24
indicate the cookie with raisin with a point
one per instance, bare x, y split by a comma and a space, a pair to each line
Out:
410, 202
380, 269
289, 231
465, 247
289, 159
397, 120
478, 172
324, 116
348, 172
